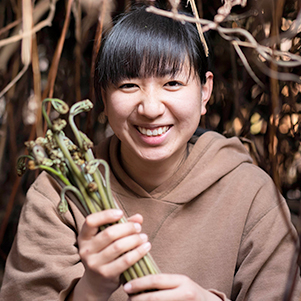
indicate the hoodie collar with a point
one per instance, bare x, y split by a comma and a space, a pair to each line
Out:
210, 158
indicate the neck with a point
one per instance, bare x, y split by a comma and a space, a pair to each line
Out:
149, 174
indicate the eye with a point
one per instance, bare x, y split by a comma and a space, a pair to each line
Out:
128, 86
173, 84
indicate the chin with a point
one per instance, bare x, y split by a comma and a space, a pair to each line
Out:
155, 158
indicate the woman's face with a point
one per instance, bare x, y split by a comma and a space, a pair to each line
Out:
155, 117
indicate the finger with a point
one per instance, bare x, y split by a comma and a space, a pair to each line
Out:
166, 295
105, 238
137, 218
113, 233
95, 220
125, 261
152, 282
122, 246
161, 287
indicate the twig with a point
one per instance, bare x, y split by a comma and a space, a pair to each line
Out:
247, 66
26, 37
26, 43
96, 47
97, 44
232, 35
38, 27
225, 10
199, 27
9, 26
37, 128
12, 83
77, 12
48, 92
7, 51
26, 27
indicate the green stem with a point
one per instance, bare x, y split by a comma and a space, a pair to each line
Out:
55, 173
143, 266
132, 273
58, 104
75, 171
64, 149
104, 191
108, 184
149, 261
77, 108
77, 193
127, 276
88, 199
138, 270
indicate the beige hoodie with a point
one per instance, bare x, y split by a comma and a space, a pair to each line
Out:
218, 220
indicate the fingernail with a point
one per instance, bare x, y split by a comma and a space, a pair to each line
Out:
127, 287
147, 246
143, 237
137, 226
118, 213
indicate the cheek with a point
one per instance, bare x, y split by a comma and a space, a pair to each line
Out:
117, 108
118, 113
189, 108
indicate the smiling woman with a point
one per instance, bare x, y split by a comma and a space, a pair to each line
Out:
144, 87
154, 118
216, 225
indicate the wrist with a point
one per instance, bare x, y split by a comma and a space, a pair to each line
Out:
83, 291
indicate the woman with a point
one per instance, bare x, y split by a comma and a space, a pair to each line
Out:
216, 225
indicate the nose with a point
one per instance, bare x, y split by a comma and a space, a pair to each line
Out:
151, 106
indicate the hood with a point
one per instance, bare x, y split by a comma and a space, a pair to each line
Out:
211, 157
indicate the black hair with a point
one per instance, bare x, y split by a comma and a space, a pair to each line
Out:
143, 44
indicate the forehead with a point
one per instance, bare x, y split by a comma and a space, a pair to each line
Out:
145, 45
165, 66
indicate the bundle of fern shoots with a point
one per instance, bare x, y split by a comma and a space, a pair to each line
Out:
73, 165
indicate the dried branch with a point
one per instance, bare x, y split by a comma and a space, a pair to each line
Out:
26, 43
8, 50
38, 27
37, 128
225, 10
10, 26
48, 92
27, 26
199, 27
77, 12
247, 66
26, 38
234, 36
97, 44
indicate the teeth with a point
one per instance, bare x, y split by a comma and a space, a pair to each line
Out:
151, 133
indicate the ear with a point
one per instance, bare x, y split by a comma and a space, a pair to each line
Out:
104, 101
206, 91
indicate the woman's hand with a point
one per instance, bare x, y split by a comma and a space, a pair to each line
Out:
107, 254
168, 287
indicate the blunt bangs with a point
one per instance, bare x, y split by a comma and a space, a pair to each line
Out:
143, 44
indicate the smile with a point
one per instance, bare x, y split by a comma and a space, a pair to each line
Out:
154, 132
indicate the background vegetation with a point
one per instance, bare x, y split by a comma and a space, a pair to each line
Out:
256, 95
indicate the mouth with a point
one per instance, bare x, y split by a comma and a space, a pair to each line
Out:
153, 132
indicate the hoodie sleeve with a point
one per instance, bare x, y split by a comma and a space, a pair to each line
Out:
267, 251
40, 269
